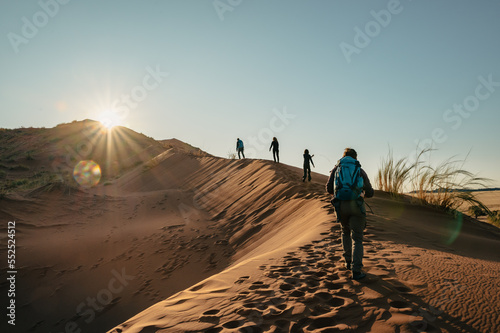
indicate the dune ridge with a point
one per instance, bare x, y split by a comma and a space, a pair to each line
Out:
423, 273
182, 241
152, 224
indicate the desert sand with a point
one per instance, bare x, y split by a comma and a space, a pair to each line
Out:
173, 239
490, 199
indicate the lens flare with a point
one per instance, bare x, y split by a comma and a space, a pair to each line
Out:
87, 173
453, 229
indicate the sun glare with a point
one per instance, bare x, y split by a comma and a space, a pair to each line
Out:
110, 119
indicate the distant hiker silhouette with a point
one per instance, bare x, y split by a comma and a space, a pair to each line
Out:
307, 166
276, 149
349, 185
240, 148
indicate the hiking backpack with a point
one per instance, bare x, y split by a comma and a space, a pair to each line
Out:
348, 180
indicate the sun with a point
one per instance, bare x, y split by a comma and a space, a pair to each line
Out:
110, 119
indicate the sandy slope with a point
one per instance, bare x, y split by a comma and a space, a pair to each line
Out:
427, 271
89, 259
73, 243
201, 243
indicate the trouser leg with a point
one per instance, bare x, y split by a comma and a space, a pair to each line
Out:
346, 242
357, 227
353, 223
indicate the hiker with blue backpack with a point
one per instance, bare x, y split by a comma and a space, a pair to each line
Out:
240, 148
349, 185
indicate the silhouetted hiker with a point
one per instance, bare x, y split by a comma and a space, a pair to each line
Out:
307, 166
276, 149
349, 185
240, 148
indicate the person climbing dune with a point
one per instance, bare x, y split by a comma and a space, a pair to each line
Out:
349, 185
276, 151
240, 148
307, 165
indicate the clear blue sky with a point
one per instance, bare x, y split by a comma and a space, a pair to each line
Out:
349, 74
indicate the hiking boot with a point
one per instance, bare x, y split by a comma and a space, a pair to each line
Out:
348, 265
358, 275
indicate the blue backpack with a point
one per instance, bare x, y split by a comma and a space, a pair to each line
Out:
348, 180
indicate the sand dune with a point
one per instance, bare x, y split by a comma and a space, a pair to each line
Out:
181, 241
424, 272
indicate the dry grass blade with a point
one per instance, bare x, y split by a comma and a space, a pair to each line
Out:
447, 185
392, 176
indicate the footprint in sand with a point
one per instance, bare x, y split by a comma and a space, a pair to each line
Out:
332, 286
258, 285
291, 262
265, 292
252, 328
280, 325
254, 305
286, 287
326, 264
322, 322
242, 279
400, 306
232, 324
297, 294
312, 283
320, 309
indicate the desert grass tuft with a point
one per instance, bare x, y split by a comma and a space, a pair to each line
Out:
494, 218
476, 211
393, 175
447, 185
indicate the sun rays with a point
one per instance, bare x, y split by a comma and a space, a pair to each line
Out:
110, 119
106, 152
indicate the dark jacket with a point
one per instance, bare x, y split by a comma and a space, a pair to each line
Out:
239, 144
308, 158
275, 145
367, 186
